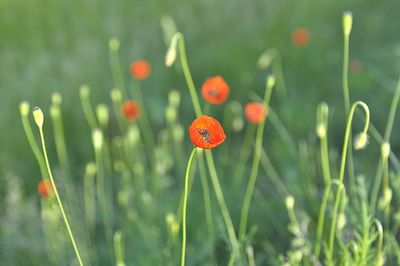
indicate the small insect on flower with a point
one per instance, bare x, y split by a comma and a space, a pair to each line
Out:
215, 90
131, 110
300, 37
140, 69
206, 132
45, 189
255, 112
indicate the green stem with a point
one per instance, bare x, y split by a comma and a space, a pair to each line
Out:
321, 218
34, 146
188, 76
59, 137
185, 207
88, 110
346, 95
116, 101
244, 156
209, 158
379, 254
117, 71
278, 69
89, 195
71, 236
322, 120
119, 249
255, 166
207, 199
273, 175
386, 139
148, 137
342, 168
222, 204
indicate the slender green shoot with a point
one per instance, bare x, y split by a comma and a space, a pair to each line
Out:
343, 165
39, 119
183, 254
256, 162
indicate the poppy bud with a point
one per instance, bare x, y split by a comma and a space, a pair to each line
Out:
347, 22
174, 98
265, 60
84, 92
170, 57
102, 114
385, 149
38, 116
289, 201
97, 139
24, 108
361, 141
113, 44
56, 98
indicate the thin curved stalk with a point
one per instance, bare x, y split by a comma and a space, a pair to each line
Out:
184, 208
342, 167
71, 236
256, 162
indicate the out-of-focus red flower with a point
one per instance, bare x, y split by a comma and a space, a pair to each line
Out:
356, 66
206, 132
300, 37
255, 112
131, 110
140, 69
215, 90
45, 189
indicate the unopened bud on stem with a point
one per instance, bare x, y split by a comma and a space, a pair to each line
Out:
361, 141
38, 116
347, 22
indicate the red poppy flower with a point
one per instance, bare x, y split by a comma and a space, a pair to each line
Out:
45, 189
206, 132
215, 90
140, 69
300, 37
255, 112
130, 110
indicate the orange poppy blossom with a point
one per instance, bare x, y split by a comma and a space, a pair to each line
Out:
140, 69
130, 110
45, 189
300, 37
206, 132
255, 112
215, 90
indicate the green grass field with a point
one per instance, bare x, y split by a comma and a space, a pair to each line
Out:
125, 208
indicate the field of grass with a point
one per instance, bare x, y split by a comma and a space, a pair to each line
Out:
122, 181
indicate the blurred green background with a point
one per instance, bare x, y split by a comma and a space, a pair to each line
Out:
48, 46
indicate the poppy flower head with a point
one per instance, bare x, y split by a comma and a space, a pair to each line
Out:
300, 37
45, 189
215, 90
206, 132
131, 110
140, 69
255, 112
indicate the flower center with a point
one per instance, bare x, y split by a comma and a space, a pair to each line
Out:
205, 134
213, 92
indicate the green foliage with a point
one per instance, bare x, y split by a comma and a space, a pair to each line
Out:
127, 208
